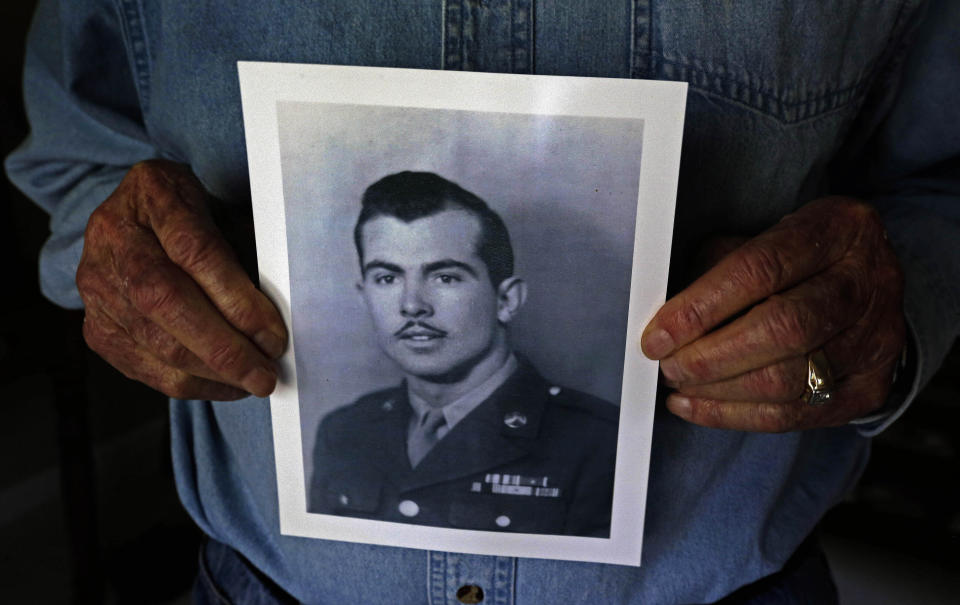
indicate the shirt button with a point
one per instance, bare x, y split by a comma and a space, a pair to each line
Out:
409, 508
344, 499
502, 521
554, 390
470, 593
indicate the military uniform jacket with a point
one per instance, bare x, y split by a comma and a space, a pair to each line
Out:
532, 458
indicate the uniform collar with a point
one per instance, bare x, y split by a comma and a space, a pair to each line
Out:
497, 432
457, 410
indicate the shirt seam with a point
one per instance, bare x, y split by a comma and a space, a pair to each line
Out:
717, 83
747, 106
130, 13
443, 34
640, 38
522, 36
790, 112
532, 41
436, 577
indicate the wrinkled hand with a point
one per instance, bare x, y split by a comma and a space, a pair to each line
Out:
166, 301
734, 344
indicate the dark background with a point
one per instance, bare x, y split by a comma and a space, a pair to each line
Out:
88, 509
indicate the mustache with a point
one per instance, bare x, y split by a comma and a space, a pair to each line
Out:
412, 326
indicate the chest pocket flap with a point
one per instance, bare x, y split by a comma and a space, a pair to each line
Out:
496, 512
344, 493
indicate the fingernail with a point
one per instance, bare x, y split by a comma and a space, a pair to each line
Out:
679, 405
658, 344
670, 369
259, 381
269, 342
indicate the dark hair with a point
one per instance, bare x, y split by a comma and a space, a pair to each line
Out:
409, 196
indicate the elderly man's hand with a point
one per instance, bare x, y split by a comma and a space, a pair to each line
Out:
734, 344
166, 301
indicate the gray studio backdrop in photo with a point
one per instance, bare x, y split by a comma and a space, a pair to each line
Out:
566, 186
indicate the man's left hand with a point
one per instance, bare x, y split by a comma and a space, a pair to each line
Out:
734, 344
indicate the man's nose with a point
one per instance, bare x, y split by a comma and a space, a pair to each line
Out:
414, 303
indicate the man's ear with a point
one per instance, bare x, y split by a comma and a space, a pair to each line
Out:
511, 294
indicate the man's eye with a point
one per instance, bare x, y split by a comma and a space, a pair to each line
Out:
447, 278
384, 279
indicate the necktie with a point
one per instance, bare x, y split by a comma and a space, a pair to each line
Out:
424, 437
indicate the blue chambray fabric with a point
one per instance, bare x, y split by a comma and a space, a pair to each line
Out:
789, 100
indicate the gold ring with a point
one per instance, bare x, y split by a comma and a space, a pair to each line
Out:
819, 379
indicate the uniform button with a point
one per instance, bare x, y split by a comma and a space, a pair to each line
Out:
387, 405
344, 499
503, 521
470, 593
554, 390
409, 508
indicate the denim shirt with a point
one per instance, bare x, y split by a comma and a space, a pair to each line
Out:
789, 100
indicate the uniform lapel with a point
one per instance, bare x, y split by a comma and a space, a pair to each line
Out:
482, 440
386, 443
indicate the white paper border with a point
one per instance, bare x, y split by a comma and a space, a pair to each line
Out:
661, 106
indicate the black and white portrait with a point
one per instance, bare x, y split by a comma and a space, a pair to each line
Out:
437, 394
459, 298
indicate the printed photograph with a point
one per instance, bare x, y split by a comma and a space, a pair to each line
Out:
459, 290
465, 262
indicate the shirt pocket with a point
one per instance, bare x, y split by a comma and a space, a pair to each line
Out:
792, 60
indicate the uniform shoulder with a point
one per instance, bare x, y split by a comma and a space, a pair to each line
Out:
578, 401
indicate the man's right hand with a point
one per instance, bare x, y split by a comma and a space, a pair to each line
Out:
167, 302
